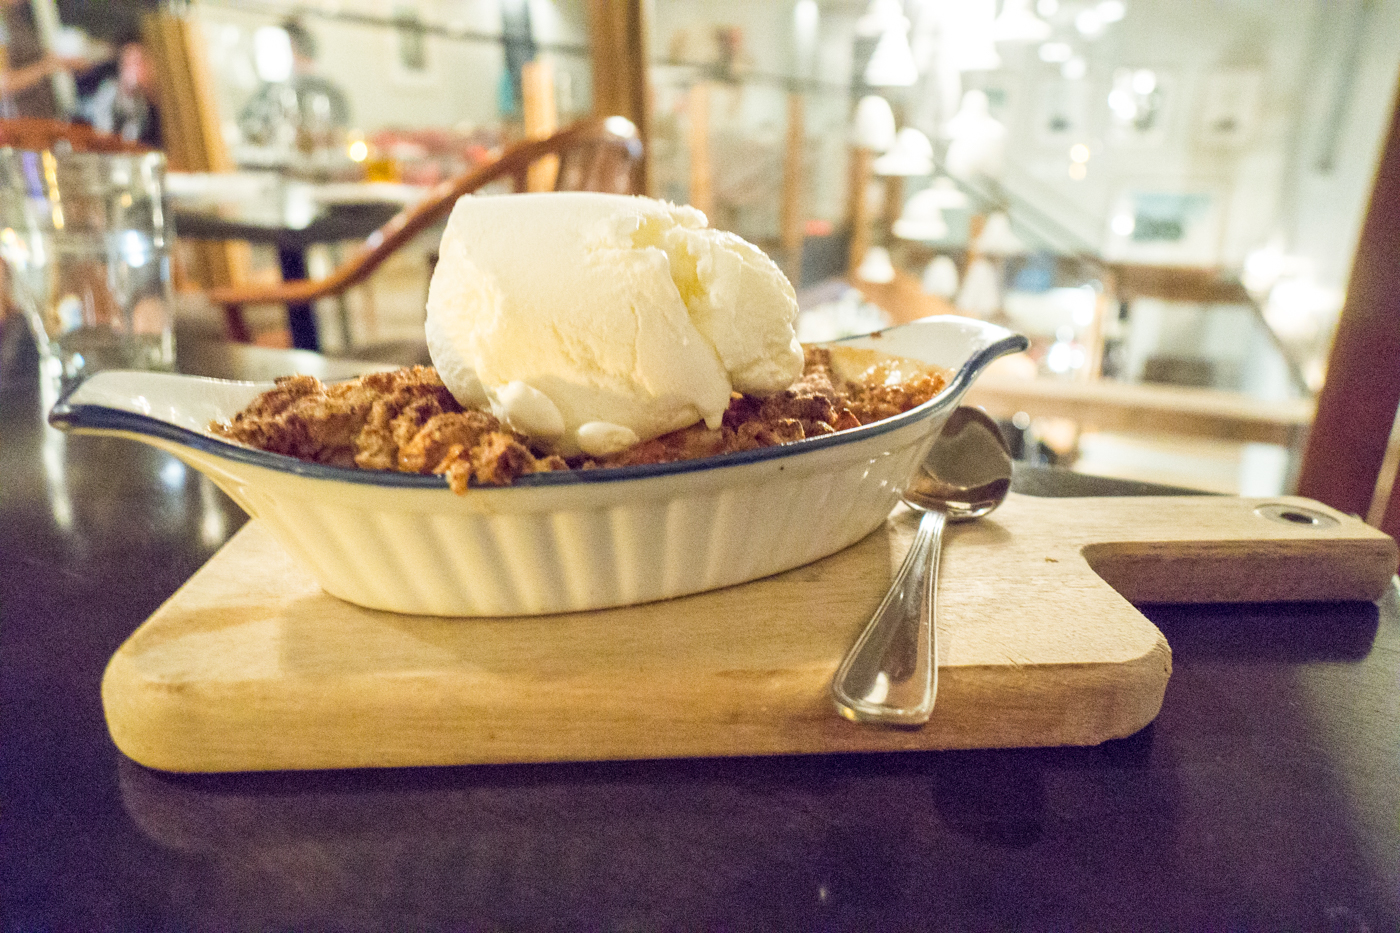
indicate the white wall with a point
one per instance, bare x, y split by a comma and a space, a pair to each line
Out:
1268, 185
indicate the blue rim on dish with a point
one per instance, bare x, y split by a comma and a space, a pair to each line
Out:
70, 417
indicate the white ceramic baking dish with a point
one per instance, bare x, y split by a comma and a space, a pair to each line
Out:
553, 542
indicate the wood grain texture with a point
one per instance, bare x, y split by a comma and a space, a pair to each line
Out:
619, 37
1356, 407
697, 137
792, 219
541, 115
250, 666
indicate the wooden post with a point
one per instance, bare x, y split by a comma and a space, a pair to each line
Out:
47, 22
790, 215
862, 170
193, 139
893, 186
697, 110
975, 225
1106, 305
541, 120
617, 32
1356, 408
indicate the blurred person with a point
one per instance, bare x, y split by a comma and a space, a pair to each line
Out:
124, 103
305, 105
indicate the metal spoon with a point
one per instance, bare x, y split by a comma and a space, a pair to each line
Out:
890, 675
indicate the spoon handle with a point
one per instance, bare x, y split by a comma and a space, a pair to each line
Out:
890, 675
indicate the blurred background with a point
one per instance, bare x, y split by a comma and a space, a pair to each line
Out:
1165, 196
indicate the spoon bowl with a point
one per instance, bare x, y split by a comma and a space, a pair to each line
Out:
890, 675
967, 471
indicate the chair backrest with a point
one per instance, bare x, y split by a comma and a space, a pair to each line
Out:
600, 154
1349, 462
606, 159
594, 155
40, 133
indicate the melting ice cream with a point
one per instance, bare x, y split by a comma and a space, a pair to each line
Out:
602, 320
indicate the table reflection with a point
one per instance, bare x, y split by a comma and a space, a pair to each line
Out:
660, 845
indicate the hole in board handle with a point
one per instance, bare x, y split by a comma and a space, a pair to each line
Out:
1286, 514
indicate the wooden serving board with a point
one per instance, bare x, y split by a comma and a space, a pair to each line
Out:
250, 666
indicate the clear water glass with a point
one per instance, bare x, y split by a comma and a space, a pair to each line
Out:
86, 241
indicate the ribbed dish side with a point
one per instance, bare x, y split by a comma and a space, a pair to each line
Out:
468, 564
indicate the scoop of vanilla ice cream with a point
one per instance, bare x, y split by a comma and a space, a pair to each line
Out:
600, 320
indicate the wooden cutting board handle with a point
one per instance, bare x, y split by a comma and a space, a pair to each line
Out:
1198, 549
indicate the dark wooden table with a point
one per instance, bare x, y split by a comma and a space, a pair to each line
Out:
291, 225
1266, 796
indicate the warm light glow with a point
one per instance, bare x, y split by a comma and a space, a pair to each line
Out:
880, 17
806, 22
272, 54
892, 62
1061, 357
998, 239
876, 266
173, 474
620, 126
1122, 104
874, 126
1111, 11
967, 34
1123, 224
911, 154
213, 526
1086, 309
358, 151
1136, 97
944, 192
1301, 308
135, 250
1079, 153
805, 16
1017, 23
941, 277
1089, 23
978, 144
921, 220
1077, 171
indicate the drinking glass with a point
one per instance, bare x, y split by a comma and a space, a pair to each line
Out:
86, 240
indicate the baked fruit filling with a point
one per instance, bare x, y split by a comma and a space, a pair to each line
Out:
408, 421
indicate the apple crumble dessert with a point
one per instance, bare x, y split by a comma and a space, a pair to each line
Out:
408, 421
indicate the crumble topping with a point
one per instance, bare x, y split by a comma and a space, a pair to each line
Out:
408, 421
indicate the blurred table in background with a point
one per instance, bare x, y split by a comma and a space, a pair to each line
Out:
290, 216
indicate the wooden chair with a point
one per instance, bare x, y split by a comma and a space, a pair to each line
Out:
593, 155
1350, 462
40, 133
